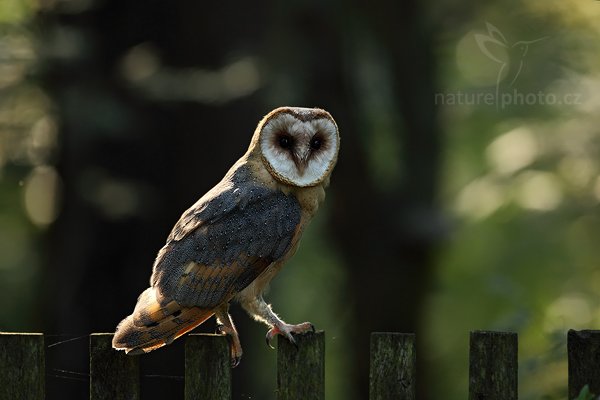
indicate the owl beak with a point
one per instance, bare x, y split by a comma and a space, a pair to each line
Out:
300, 165
301, 161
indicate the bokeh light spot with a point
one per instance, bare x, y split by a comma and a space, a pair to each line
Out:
42, 195
512, 151
538, 191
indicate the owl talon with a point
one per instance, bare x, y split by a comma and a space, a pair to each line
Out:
235, 361
287, 331
293, 341
235, 349
225, 327
236, 352
268, 340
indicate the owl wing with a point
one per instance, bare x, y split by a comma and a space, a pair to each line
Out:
224, 242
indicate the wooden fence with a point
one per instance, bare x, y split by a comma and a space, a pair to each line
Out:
300, 371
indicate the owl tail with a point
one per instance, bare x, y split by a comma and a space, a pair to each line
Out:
156, 322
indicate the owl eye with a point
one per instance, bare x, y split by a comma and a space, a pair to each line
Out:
315, 143
285, 142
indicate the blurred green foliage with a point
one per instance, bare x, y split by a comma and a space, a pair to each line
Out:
522, 184
23, 108
520, 187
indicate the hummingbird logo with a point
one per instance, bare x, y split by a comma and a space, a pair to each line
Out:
494, 37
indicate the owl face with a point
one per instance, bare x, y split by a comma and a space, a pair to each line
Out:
299, 145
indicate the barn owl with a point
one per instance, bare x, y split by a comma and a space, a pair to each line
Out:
235, 239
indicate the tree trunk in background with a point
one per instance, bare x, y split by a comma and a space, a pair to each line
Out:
387, 239
131, 165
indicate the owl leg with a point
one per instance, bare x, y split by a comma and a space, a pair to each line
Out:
225, 326
261, 311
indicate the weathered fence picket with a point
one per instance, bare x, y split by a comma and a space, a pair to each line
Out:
584, 361
493, 366
300, 368
207, 367
113, 374
22, 370
393, 366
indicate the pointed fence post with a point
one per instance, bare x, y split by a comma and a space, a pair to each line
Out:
493, 366
113, 374
22, 369
584, 361
207, 367
301, 369
393, 366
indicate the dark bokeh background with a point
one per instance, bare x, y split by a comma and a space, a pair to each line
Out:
455, 205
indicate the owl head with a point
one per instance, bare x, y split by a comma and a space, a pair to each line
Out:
299, 146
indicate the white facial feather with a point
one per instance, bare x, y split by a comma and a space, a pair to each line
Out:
300, 165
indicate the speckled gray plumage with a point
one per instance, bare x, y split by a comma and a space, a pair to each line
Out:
233, 236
